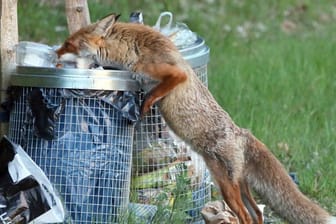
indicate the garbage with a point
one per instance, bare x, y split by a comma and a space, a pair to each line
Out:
179, 32
26, 195
136, 17
218, 212
167, 167
35, 54
44, 114
294, 177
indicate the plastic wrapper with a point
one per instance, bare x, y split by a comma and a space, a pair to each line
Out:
45, 114
88, 155
217, 212
136, 17
26, 195
179, 32
35, 54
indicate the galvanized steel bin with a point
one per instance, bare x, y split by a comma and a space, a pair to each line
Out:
166, 173
77, 126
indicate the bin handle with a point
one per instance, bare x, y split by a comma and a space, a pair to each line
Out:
167, 27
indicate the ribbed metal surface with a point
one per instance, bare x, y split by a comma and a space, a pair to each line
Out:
196, 54
74, 78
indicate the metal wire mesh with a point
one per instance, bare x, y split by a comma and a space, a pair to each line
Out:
88, 161
166, 171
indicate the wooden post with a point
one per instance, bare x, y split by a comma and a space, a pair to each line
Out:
77, 13
9, 38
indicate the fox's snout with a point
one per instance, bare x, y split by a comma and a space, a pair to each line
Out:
62, 51
67, 47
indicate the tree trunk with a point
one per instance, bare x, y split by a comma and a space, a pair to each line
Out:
77, 13
9, 38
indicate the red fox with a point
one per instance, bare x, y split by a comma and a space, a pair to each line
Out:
236, 159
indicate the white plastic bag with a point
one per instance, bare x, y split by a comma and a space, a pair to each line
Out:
179, 33
26, 194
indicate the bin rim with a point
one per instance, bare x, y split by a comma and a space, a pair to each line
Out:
74, 78
196, 54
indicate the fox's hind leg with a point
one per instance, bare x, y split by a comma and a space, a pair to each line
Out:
230, 190
168, 75
250, 203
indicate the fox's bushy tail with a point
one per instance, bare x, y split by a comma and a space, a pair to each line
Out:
267, 176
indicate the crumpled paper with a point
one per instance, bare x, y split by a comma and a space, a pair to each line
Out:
218, 212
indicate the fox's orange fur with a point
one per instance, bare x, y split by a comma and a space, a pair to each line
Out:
236, 159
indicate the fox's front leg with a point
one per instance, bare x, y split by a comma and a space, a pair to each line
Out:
169, 75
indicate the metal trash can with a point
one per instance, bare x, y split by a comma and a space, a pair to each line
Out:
77, 125
166, 173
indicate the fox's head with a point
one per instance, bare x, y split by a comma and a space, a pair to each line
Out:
86, 41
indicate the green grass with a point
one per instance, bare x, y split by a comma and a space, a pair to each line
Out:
281, 86
285, 94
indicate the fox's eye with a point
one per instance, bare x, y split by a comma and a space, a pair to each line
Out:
81, 43
67, 44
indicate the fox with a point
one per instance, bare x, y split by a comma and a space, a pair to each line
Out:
236, 159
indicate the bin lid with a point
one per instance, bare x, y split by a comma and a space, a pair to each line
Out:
196, 54
29, 76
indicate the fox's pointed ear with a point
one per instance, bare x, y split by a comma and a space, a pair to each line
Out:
104, 26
